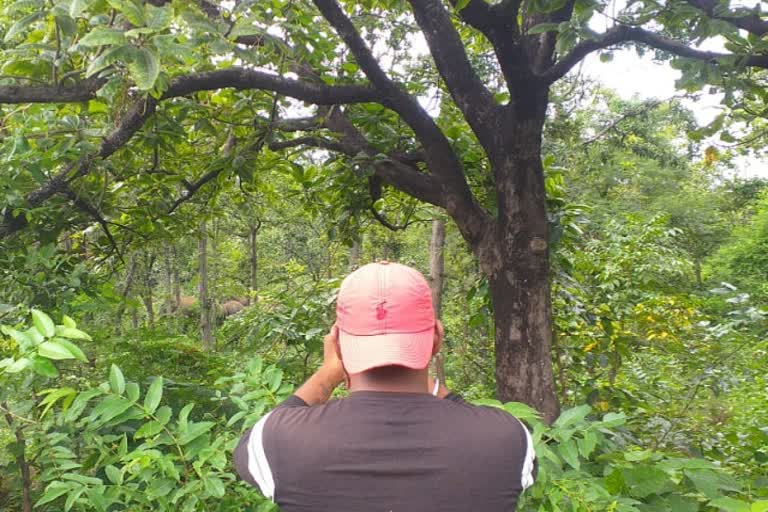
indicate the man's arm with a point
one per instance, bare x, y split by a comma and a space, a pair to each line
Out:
318, 388
250, 459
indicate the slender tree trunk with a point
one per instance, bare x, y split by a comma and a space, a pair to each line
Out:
205, 303
436, 275
21, 461
134, 317
147, 295
169, 305
253, 232
697, 270
354, 254
129, 276
175, 279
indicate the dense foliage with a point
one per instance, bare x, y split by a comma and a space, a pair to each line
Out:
175, 282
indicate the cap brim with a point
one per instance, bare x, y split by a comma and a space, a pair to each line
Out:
361, 353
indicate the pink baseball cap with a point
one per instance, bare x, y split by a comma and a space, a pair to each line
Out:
385, 317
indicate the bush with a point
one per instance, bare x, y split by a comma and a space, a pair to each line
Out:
590, 464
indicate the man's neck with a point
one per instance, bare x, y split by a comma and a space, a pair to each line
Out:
390, 379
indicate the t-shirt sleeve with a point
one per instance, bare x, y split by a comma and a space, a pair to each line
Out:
250, 459
528, 474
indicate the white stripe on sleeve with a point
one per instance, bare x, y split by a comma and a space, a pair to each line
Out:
258, 465
526, 479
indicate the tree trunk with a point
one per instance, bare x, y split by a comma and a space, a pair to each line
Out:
169, 305
514, 256
129, 273
253, 233
205, 303
176, 280
436, 274
354, 254
147, 295
21, 461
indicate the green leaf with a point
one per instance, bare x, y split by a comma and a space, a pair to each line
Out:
144, 69
111, 56
274, 380
43, 323
76, 7
183, 415
115, 475
572, 416
587, 444
731, 505
54, 490
711, 482
44, 367
55, 350
149, 429
214, 486
643, 481
82, 479
153, 396
160, 487
461, 4
570, 453
73, 349
236, 417
68, 322
759, 506
132, 391
18, 365
130, 10
22, 24
543, 27
24, 340
110, 407
158, 18
195, 430
103, 36
116, 380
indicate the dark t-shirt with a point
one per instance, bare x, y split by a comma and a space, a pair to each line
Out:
388, 452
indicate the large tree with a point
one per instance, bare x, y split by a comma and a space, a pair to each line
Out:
137, 71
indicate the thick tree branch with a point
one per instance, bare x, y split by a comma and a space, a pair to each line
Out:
83, 91
623, 34
475, 101
751, 22
441, 159
243, 78
315, 142
134, 119
499, 24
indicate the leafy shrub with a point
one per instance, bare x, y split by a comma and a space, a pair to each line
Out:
592, 464
115, 446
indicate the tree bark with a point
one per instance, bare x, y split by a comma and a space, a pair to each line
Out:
169, 305
436, 274
129, 274
147, 295
354, 254
21, 461
515, 257
175, 279
253, 232
205, 303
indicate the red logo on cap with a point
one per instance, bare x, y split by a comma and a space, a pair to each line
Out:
380, 311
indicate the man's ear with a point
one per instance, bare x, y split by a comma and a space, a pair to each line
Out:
437, 344
337, 348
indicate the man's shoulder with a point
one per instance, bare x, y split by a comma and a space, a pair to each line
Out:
492, 419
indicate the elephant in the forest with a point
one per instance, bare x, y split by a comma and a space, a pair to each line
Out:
188, 306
